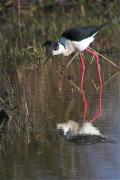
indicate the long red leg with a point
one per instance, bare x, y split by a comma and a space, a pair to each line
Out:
83, 71
81, 86
98, 114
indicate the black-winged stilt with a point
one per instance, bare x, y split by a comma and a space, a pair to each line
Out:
78, 39
84, 134
73, 39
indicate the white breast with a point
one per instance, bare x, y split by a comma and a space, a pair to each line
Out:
89, 129
69, 47
82, 45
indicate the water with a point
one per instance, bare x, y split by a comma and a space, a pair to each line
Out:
44, 100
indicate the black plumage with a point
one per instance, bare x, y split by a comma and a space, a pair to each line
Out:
86, 139
80, 33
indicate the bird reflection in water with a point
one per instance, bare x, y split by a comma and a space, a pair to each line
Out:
84, 134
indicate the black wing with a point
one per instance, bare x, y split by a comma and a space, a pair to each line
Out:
78, 34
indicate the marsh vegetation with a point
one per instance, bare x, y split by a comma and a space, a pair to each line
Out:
35, 99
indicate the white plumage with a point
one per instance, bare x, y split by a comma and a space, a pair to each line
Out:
84, 44
86, 129
73, 39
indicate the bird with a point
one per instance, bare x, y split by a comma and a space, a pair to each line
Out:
85, 133
73, 39
75, 128
78, 39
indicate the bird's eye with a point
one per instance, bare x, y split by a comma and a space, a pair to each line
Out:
56, 46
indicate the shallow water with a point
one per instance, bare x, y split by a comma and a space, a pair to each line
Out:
44, 100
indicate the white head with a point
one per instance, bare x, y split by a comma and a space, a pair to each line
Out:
64, 127
53, 48
70, 126
57, 49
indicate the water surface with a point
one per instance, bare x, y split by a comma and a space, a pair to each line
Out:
44, 100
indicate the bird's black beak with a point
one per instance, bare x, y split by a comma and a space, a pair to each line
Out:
47, 59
